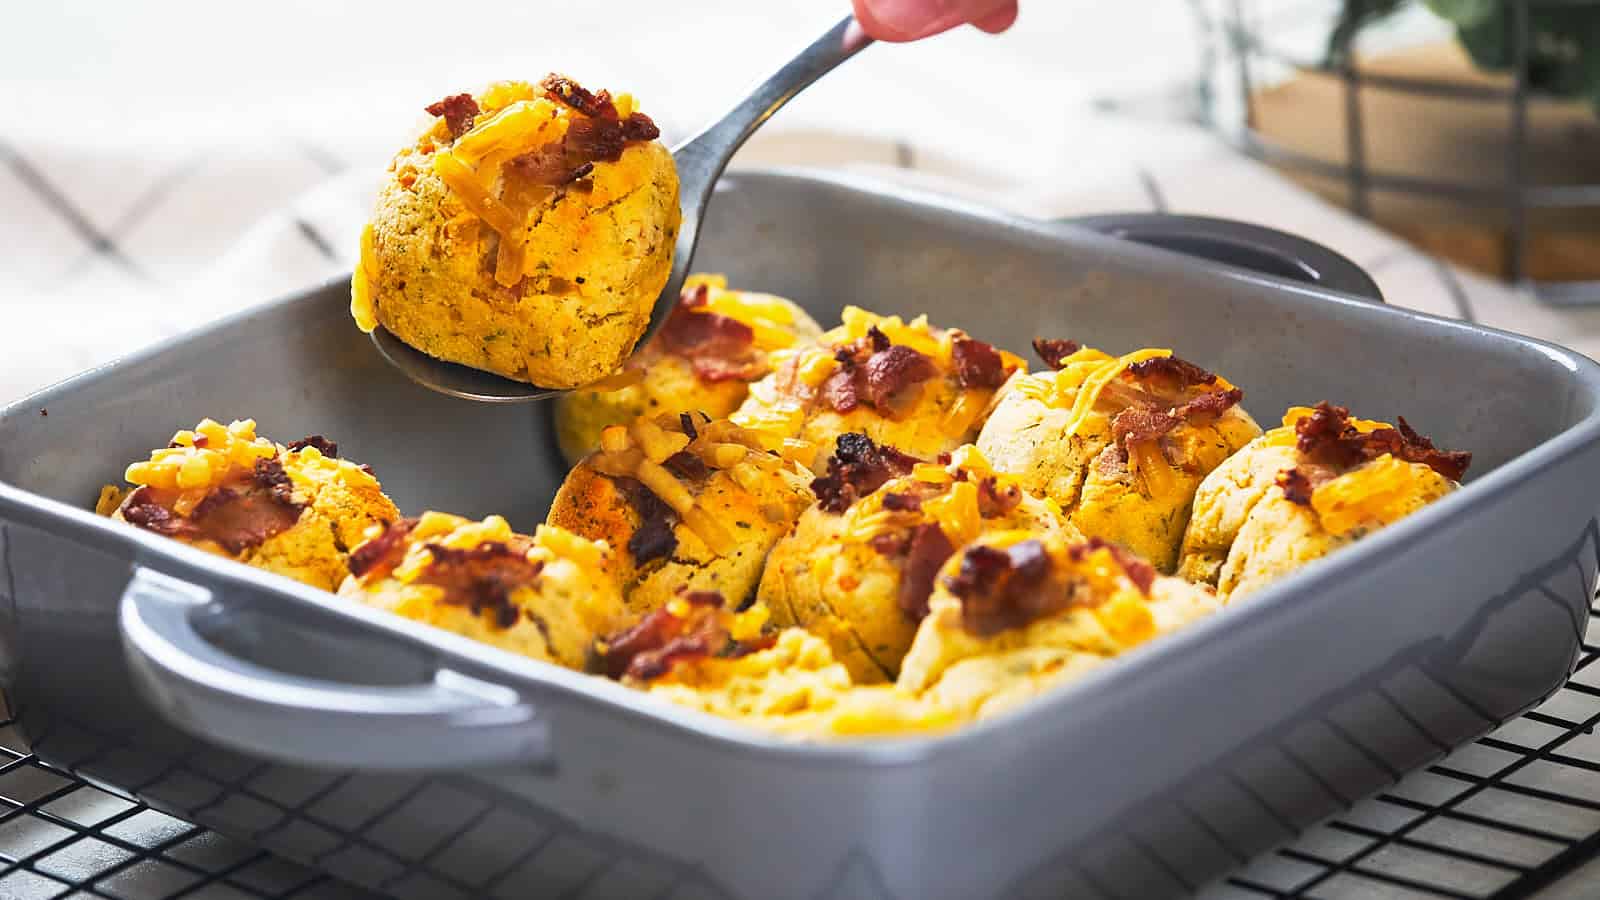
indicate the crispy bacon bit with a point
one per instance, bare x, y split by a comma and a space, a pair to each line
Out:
718, 347
649, 649
655, 538
902, 502
1141, 573
564, 89
978, 365
687, 465
857, 468
1327, 436
594, 139
686, 422
596, 136
1296, 486
1138, 423
995, 500
879, 341
1170, 373
142, 509
1452, 464
482, 578
639, 127
459, 111
1004, 589
888, 372
379, 552
872, 371
1054, 350
324, 446
236, 517
545, 165
889, 543
929, 547
1210, 405
841, 390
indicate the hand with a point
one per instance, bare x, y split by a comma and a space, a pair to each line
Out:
913, 20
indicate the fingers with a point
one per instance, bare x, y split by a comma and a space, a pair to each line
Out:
912, 20
999, 20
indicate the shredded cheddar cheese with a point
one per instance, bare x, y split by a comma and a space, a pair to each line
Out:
1089, 394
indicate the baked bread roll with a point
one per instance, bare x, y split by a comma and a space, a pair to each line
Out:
527, 232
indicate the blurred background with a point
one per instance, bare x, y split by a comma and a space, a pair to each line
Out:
163, 165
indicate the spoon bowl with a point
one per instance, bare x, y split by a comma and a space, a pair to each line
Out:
700, 161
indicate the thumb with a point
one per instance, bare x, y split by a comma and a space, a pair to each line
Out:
912, 20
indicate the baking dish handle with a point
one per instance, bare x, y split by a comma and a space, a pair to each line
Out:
450, 722
1240, 244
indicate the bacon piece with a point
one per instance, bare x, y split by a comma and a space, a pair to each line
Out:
925, 555
1170, 374
546, 165
889, 543
561, 88
379, 554
1209, 405
1138, 423
270, 475
978, 365
1296, 486
718, 347
247, 515
687, 465
857, 468
888, 372
482, 578
1055, 350
639, 127
144, 510
591, 140
324, 446
459, 111
878, 340
1452, 464
1004, 589
651, 648
994, 500
655, 537
1327, 436
902, 502
1141, 573
842, 390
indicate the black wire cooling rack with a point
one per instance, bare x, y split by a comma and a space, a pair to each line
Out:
1502, 818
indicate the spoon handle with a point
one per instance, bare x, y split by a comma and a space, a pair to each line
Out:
701, 159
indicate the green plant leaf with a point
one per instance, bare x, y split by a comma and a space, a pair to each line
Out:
1464, 12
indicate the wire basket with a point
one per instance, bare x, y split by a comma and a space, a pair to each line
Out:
1249, 46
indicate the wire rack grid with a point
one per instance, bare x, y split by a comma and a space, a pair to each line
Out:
1502, 818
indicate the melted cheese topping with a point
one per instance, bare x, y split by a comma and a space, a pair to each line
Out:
770, 318
1286, 437
1378, 493
1089, 393
362, 308
193, 468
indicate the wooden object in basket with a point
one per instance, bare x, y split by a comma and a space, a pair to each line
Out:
1458, 140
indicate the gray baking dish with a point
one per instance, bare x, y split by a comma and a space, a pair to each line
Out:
424, 765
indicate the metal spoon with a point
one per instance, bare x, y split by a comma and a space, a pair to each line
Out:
700, 162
